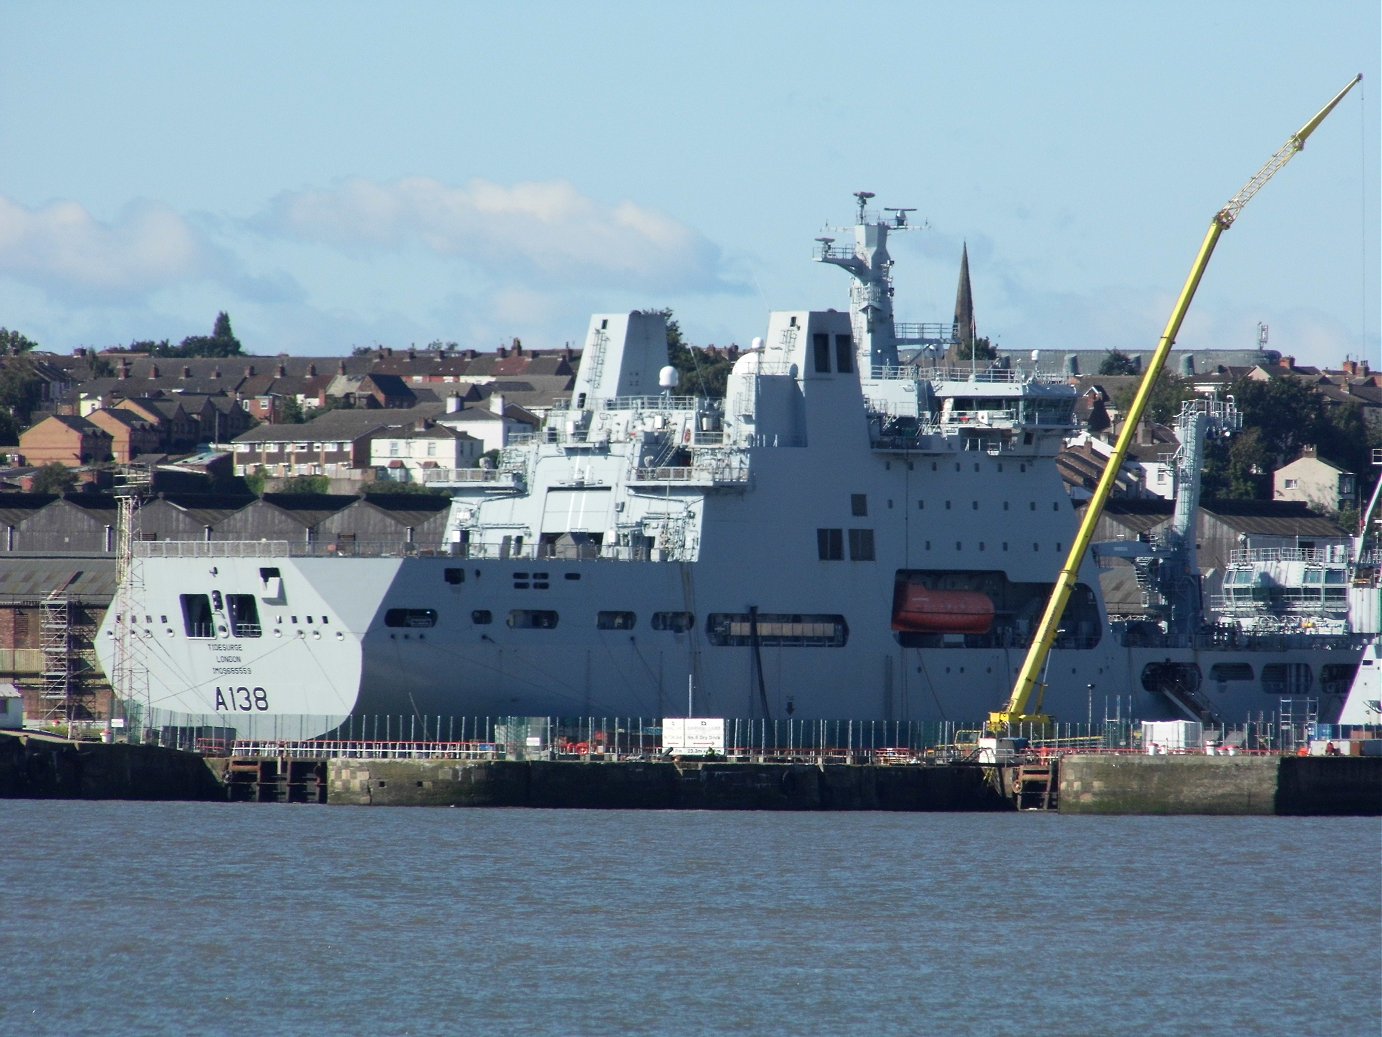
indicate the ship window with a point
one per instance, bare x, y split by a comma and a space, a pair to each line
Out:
858, 504
481, 617
821, 345
1230, 672
614, 620
921, 505
844, 354
571, 576
1005, 505
1055, 505
196, 615
410, 618
1031, 505
947, 505
974, 505
677, 622
737, 629
532, 619
244, 615
1287, 678
861, 545
830, 544
454, 575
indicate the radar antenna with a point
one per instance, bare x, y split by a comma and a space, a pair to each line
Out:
863, 197
900, 217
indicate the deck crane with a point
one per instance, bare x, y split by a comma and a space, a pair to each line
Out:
1030, 683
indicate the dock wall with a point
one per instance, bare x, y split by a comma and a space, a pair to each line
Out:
39, 767
660, 786
1237, 785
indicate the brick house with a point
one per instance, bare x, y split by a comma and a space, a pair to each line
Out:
66, 439
131, 433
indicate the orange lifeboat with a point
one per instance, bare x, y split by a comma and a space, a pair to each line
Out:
920, 609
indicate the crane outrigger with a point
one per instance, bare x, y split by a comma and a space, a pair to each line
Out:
1029, 686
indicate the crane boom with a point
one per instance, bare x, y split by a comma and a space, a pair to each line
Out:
1027, 685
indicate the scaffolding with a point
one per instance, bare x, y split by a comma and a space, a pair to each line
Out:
129, 672
55, 642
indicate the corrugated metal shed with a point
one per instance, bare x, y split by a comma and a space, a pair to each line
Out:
87, 580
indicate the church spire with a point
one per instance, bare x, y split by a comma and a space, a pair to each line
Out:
964, 307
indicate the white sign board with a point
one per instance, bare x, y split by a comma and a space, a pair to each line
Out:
693, 736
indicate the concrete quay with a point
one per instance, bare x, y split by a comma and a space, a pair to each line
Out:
1316, 786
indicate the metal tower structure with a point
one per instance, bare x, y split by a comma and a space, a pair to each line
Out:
129, 676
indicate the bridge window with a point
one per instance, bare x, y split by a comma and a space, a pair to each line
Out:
196, 615
244, 615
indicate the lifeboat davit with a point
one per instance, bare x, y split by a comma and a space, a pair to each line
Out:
919, 609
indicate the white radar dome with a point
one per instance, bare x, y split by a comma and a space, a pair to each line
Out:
668, 377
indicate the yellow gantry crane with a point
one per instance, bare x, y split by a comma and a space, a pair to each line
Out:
1029, 686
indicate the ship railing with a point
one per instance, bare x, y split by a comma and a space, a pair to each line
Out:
1252, 555
211, 549
446, 476
984, 375
410, 749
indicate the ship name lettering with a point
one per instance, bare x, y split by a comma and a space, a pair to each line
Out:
241, 699
227, 658
229, 646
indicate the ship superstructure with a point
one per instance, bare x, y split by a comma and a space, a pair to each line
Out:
843, 536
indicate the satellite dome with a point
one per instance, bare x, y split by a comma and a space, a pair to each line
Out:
668, 377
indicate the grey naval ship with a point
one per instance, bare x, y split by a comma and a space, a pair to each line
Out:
843, 536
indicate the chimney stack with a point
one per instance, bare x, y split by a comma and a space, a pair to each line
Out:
454, 403
186, 371
249, 371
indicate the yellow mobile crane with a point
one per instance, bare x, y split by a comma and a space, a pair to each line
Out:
1028, 683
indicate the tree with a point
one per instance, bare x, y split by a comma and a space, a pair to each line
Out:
221, 342
54, 477
14, 343
9, 430
1281, 417
1163, 403
699, 371
291, 412
1116, 363
981, 350
21, 388
304, 484
257, 480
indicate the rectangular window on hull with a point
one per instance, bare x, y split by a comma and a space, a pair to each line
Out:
821, 347
532, 619
844, 353
736, 629
197, 620
244, 615
861, 545
615, 621
410, 618
830, 544
677, 622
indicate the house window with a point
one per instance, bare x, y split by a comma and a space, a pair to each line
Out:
1290, 484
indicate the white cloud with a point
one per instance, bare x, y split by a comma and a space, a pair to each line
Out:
546, 232
63, 249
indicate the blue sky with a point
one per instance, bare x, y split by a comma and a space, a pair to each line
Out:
343, 174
